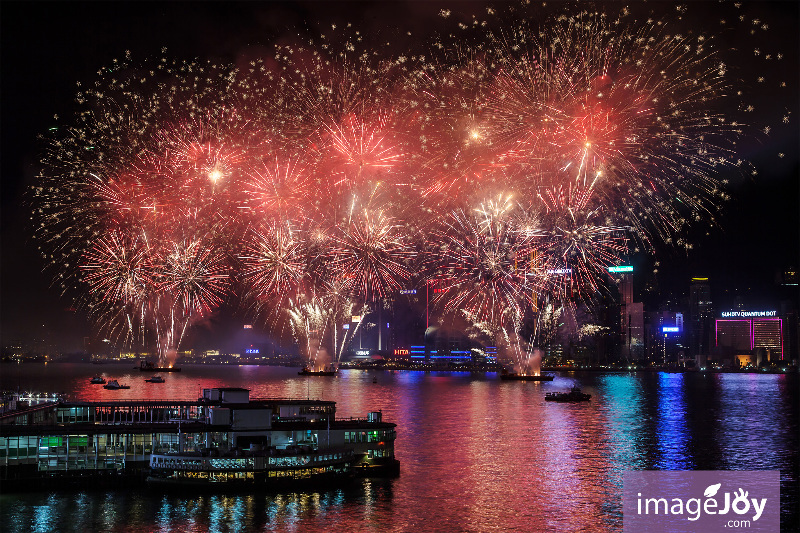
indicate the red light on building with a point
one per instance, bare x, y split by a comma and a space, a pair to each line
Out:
401, 352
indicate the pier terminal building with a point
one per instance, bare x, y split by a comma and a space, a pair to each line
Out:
225, 437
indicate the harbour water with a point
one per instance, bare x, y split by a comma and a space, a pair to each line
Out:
477, 453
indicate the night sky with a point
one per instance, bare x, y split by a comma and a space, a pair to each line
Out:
48, 47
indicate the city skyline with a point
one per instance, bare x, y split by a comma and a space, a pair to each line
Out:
756, 238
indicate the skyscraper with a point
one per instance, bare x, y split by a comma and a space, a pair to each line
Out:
700, 317
631, 315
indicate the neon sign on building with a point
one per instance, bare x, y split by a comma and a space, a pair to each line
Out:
621, 268
748, 314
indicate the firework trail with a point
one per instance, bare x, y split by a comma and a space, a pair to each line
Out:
136, 208
314, 183
626, 112
576, 242
481, 265
371, 254
315, 322
279, 189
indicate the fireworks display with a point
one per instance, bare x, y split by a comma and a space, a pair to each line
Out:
507, 170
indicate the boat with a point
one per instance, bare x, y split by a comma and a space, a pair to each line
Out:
97, 380
114, 385
240, 443
296, 466
513, 376
327, 371
155, 379
574, 395
147, 366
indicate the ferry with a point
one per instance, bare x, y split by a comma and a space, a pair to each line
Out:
327, 371
223, 440
147, 366
114, 385
155, 379
292, 467
574, 395
97, 380
513, 376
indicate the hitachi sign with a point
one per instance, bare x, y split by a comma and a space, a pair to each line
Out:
747, 314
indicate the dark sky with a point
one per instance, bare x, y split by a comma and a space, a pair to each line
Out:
48, 47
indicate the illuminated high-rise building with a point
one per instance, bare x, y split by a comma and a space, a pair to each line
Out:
758, 334
700, 318
665, 336
631, 314
734, 335
768, 334
789, 282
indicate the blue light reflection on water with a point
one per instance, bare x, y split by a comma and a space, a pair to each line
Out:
622, 419
164, 515
477, 454
623, 407
672, 432
45, 519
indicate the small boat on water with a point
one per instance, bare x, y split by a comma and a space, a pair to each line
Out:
114, 385
155, 379
513, 376
574, 395
327, 371
147, 366
97, 380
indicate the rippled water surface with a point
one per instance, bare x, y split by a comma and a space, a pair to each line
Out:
477, 454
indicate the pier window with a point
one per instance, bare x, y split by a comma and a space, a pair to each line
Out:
138, 444
79, 443
71, 415
50, 444
20, 447
194, 441
166, 442
218, 440
307, 438
372, 454
368, 436
289, 461
101, 443
316, 412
